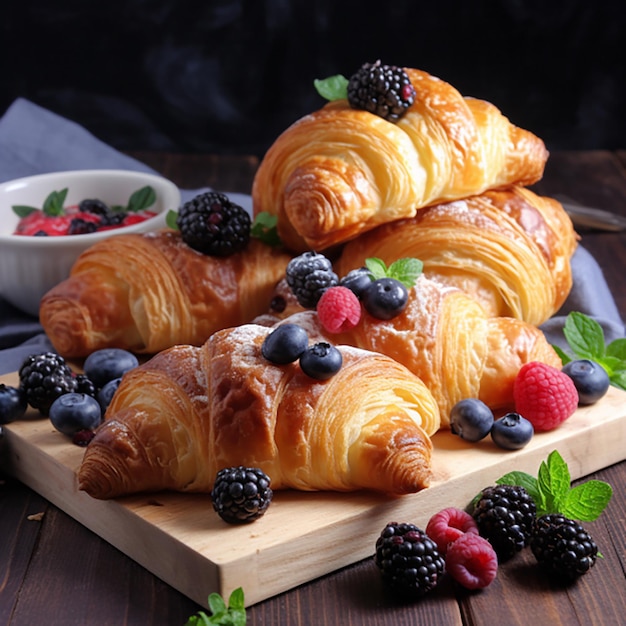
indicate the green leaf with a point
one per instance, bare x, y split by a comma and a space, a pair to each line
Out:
619, 380
377, 267
170, 219
522, 479
22, 210
565, 358
332, 88
232, 615
55, 202
407, 271
141, 199
584, 335
587, 501
554, 481
264, 228
617, 349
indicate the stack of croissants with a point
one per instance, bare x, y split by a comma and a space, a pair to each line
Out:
446, 184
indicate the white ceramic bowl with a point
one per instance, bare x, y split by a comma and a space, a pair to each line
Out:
30, 266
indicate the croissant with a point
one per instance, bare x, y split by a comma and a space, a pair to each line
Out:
189, 411
340, 171
445, 338
510, 249
149, 292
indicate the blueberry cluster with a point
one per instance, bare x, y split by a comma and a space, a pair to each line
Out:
289, 342
472, 420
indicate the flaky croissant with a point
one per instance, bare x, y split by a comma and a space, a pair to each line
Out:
190, 411
149, 292
445, 338
510, 249
340, 171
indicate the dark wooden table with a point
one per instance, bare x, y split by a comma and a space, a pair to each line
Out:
55, 571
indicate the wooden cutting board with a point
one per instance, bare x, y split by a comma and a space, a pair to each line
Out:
303, 535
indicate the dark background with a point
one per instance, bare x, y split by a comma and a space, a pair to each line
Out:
228, 76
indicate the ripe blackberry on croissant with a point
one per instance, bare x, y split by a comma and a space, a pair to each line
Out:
341, 171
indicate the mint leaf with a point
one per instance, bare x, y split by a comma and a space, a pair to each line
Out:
55, 202
617, 349
170, 219
587, 501
407, 271
377, 268
22, 210
141, 199
332, 88
264, 228
232, 615
584, 335
619, 380
565, 358
554, 481
522, 479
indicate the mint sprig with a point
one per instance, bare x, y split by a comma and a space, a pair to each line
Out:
233, 614
332, 88
586, 340
552, 492
54, 204
264, 228
407, 270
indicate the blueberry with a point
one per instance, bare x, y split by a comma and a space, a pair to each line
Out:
105, 395
285, 344
512, 431
385, 298
12, 403
590, 379
104, 365
321, 361
72, 412
357, 281
471, 419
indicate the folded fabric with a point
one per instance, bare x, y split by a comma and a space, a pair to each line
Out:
34, 140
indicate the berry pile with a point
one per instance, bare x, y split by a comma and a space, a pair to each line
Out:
211, 224
89, 216
75, 403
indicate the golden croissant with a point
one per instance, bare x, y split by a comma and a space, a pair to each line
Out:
445, 338
149, 292
510, 249
341, 171
190, 411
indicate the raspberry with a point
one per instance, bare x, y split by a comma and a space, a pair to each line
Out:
448, 525
472, 561
338, 309
544, 395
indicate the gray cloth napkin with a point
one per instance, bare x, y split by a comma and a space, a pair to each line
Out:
35, 141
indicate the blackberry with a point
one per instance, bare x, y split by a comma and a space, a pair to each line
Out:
309, 276
505, 515
79, 226
85, 385
211, 224
408, 559
241, 494
113, 218
384, 90
95, 206
563, 546
44, 377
